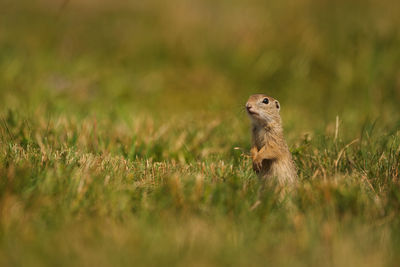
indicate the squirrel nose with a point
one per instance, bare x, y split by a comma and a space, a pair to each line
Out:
248, 106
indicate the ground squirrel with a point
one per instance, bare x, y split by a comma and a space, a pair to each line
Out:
269, 151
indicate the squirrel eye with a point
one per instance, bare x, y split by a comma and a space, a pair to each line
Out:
265, 101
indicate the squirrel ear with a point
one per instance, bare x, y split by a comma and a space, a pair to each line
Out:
277, 104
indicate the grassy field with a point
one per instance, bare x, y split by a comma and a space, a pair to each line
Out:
124, 142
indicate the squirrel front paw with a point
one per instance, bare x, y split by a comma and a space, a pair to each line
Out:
257, 165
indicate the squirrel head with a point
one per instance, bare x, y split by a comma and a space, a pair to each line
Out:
263, 110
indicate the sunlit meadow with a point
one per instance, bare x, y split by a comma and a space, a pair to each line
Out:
124, 142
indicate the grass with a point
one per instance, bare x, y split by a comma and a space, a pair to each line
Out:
119, 125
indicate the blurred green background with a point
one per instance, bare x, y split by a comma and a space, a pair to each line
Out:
119, 119
319, 58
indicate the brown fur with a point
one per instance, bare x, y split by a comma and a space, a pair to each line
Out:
270, 154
